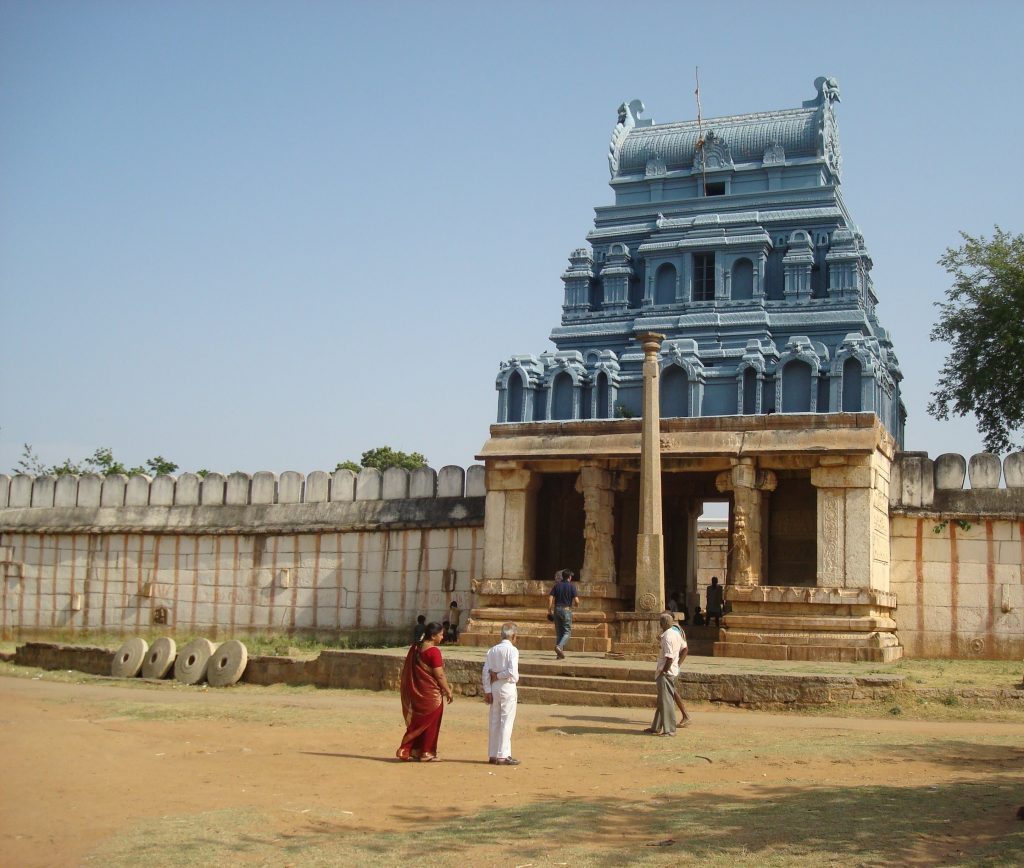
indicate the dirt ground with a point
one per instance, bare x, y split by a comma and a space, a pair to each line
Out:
97, 772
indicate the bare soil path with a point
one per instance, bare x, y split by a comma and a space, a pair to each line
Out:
102, 773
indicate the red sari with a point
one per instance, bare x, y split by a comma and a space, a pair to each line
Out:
422, 704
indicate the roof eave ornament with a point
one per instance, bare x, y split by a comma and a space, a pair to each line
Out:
629, 117
828, 96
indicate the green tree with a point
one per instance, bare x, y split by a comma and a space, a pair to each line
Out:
983, 321
102, 461
383, 457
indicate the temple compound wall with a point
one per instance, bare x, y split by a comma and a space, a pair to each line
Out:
957, 555
238, 554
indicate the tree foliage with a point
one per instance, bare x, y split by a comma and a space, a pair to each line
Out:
102, 461
983, 321
383, 457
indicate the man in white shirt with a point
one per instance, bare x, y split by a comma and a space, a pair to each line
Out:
501, 672
673, 652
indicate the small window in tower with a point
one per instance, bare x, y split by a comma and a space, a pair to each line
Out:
703, 276
714, 188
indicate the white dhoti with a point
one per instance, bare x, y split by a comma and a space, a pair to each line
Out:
502, 716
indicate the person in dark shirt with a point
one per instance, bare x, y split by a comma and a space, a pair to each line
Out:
421, 628
715, 602
561, 601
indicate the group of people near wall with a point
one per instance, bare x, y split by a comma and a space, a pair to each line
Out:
449, 626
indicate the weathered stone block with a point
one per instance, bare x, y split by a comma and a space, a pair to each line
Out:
369, 484
21, 491
343, 486
5, 490
950, 470
451, 481
113, 491
290, 487
186, 490
476, 481
985, 469
1013, 470
318, 487
161, 491
65, 492
212, 489
236, 489
395, 484
137, 490
423, 482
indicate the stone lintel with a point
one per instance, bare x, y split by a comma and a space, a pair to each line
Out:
842, 477
510, 479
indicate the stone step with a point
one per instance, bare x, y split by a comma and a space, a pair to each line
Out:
556, 696
601, 686
827, 653
539, 642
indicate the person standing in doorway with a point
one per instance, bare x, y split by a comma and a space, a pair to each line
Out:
561, 601
714, 606
500, 675
454, 618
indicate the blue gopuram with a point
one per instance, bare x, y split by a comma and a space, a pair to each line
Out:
729, 236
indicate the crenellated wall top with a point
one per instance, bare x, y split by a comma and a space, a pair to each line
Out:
239, 489
919, 481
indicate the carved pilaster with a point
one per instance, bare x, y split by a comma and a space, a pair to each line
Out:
748, 486
597, 487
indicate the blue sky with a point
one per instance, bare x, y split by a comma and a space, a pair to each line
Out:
271, 235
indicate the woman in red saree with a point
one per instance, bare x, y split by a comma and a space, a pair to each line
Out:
424, 689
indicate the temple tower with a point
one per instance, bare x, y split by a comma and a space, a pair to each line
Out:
778, 393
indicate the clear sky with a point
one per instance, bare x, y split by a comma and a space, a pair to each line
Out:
271, 235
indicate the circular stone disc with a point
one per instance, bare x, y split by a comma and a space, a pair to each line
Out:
227, 664
128, 659
190, 667
160, 658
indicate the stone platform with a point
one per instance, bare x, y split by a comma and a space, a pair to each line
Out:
840, 625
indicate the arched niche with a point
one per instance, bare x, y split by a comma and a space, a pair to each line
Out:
749, 407
665, 284
675, 392
796, 387
561, 397
515, 397
851, 386
601, 384
742, 280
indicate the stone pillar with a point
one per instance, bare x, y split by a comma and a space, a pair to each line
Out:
510, 522
650, 544
853, 522
597, 487
693, 514
746, 544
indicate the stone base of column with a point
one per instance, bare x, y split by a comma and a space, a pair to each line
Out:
650, 573
796, 623
637, 636
526, 603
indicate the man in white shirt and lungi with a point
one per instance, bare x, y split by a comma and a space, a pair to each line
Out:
501, 672
673, 652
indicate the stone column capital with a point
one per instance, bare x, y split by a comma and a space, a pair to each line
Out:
512, 479
651, 343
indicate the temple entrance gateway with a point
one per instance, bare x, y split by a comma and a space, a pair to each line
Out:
713, 346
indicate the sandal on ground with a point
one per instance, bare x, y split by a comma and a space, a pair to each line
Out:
430, 759
506, 761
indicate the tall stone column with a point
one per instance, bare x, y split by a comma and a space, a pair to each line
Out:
650, 543
597, 487
746, 544
510, 522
